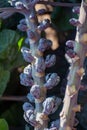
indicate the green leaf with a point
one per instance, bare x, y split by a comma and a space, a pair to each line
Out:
13, 115
10, 45
8, 39
20, 43
3, 125
17, 62
4, 78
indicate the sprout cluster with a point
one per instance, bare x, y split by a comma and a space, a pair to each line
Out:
33, 74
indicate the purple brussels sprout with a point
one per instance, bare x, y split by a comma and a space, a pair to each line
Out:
29, 116
71, 53
75, 22
71, 56
40, 65
50, 60
19, 5
22, 27
12, 2
76, 9
57, 102
41, 11
70, 44
50, 105
28, 71
23, 21
27, 55
44, 44
27, 106
51, 80
30, 97
44, 24
35, 91
25, 80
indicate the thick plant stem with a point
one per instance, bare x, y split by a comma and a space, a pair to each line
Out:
38, 77
70, 107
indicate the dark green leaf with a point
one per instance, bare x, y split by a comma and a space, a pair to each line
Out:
4, 78
8, 38
14, 115
10, 44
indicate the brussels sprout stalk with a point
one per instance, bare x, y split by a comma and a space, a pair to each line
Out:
70, 107
34, 23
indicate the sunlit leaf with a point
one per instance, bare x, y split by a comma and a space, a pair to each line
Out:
20, 43
3, 125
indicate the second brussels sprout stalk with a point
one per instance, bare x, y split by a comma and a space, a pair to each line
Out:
76, 55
